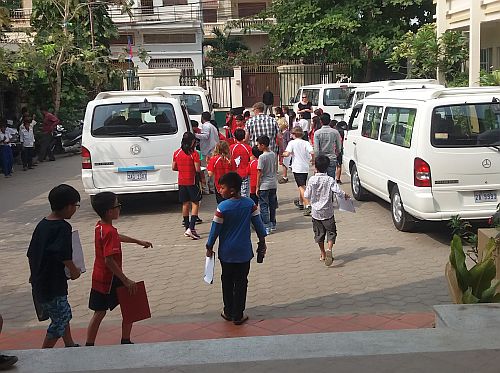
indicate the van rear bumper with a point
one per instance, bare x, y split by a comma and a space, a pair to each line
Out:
424, 208
89, 187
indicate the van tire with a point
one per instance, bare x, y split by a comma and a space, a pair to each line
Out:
358, 192
401, 219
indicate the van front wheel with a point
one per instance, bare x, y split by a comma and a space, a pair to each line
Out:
401, 219
359, 193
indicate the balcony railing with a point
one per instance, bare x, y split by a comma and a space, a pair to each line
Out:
237, 26
168, 13
20, 17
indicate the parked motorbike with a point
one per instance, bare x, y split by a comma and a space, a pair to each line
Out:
68, 141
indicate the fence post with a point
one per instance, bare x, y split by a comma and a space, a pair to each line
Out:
237, 90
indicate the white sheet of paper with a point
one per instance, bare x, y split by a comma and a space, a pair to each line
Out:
209, 269
346, 204
78, 258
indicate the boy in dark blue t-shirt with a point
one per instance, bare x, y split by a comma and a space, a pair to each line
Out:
231, 224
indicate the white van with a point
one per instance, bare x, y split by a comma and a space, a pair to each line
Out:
328, 97
431, 153
128, 140
196, 99
368, 89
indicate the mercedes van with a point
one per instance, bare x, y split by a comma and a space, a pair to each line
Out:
196, 99
328, 97
128, 140
431, 153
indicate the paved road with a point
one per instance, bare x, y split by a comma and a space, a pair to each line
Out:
376, 268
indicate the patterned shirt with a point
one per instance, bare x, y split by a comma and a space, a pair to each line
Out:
26, 136
185, 166
319, 190
263, 125
327, 142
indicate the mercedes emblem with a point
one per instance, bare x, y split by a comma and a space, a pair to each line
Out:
135, 149
486, 163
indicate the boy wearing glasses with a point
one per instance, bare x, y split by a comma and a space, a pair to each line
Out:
49, 253
107, 275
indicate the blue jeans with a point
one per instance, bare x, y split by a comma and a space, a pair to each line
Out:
7, 159
268, 202
330, 171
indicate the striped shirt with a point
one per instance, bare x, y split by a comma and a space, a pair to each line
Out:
263, 125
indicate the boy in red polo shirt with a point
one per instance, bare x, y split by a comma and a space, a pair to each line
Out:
240, 154
252, 173
187, 162
107, 275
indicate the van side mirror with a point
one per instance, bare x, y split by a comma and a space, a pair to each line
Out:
292, 100
215, 105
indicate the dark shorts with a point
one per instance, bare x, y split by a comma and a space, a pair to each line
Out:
102, 302
300, 179
189, 193
324, 229
59, 311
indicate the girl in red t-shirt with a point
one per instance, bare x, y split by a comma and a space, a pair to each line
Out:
252, 172
220, 164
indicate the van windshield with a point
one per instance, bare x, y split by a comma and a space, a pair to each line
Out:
192, 102
466, 125
336, 96
128, 119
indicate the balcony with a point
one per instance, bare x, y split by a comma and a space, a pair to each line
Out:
20, 18
161, 14
238, 26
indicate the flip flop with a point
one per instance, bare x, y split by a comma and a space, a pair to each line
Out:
225, 317
329, 258
73, 345
243, 320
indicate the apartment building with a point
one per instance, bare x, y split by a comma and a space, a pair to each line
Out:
223, 14
480, 19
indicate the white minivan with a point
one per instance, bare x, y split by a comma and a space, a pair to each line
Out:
196, 99
431, 153
128, 140
328, 97
368, 89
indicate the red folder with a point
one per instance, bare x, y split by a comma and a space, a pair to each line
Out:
134, 307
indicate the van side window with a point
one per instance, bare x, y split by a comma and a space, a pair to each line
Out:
371, 121
397, 126
312, 95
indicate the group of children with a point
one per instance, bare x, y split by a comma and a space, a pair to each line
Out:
50, 257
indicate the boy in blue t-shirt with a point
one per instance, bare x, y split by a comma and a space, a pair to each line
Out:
231, 224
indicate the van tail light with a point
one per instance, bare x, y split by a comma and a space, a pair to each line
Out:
421, 173
86, 161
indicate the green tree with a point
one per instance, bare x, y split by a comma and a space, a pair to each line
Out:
422, 53
225, 49
353, 31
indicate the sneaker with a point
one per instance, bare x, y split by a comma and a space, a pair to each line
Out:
329, 258
268, 231
192, 233
7, 361
273, 227
307, 211
296, 202
282, 180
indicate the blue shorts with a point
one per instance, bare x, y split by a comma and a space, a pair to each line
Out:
59, 312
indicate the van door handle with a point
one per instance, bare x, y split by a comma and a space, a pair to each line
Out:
354, 142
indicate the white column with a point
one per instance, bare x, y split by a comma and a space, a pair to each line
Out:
474, 43
236, 87
441, 27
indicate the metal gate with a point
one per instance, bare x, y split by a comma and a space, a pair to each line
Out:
256, 79
217, 83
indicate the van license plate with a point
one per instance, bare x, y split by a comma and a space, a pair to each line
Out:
137, 175
487, 196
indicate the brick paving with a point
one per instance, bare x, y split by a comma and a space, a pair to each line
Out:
377, 270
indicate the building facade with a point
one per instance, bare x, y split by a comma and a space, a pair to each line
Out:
480, 19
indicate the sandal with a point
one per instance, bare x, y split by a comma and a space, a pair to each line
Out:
329, 258
243, 320
73, 345
226, 317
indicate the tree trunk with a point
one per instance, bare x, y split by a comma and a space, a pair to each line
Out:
59, 63
369, 66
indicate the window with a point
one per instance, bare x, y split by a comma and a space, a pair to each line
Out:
193, 103
397, 126
371, 122
122, 40
250, 9
336, 96
131, 120
466, 125
210, 15
486, 57
169, 38
312, 96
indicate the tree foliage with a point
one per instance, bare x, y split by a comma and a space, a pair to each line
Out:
353, 31
420, 54
225, 50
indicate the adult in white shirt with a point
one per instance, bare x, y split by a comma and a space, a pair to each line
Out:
302, 154
27, 139
6, 150
209, 137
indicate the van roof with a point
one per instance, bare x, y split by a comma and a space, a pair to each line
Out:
181, 88
425, 94
400, 82
138, 94
330, 85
